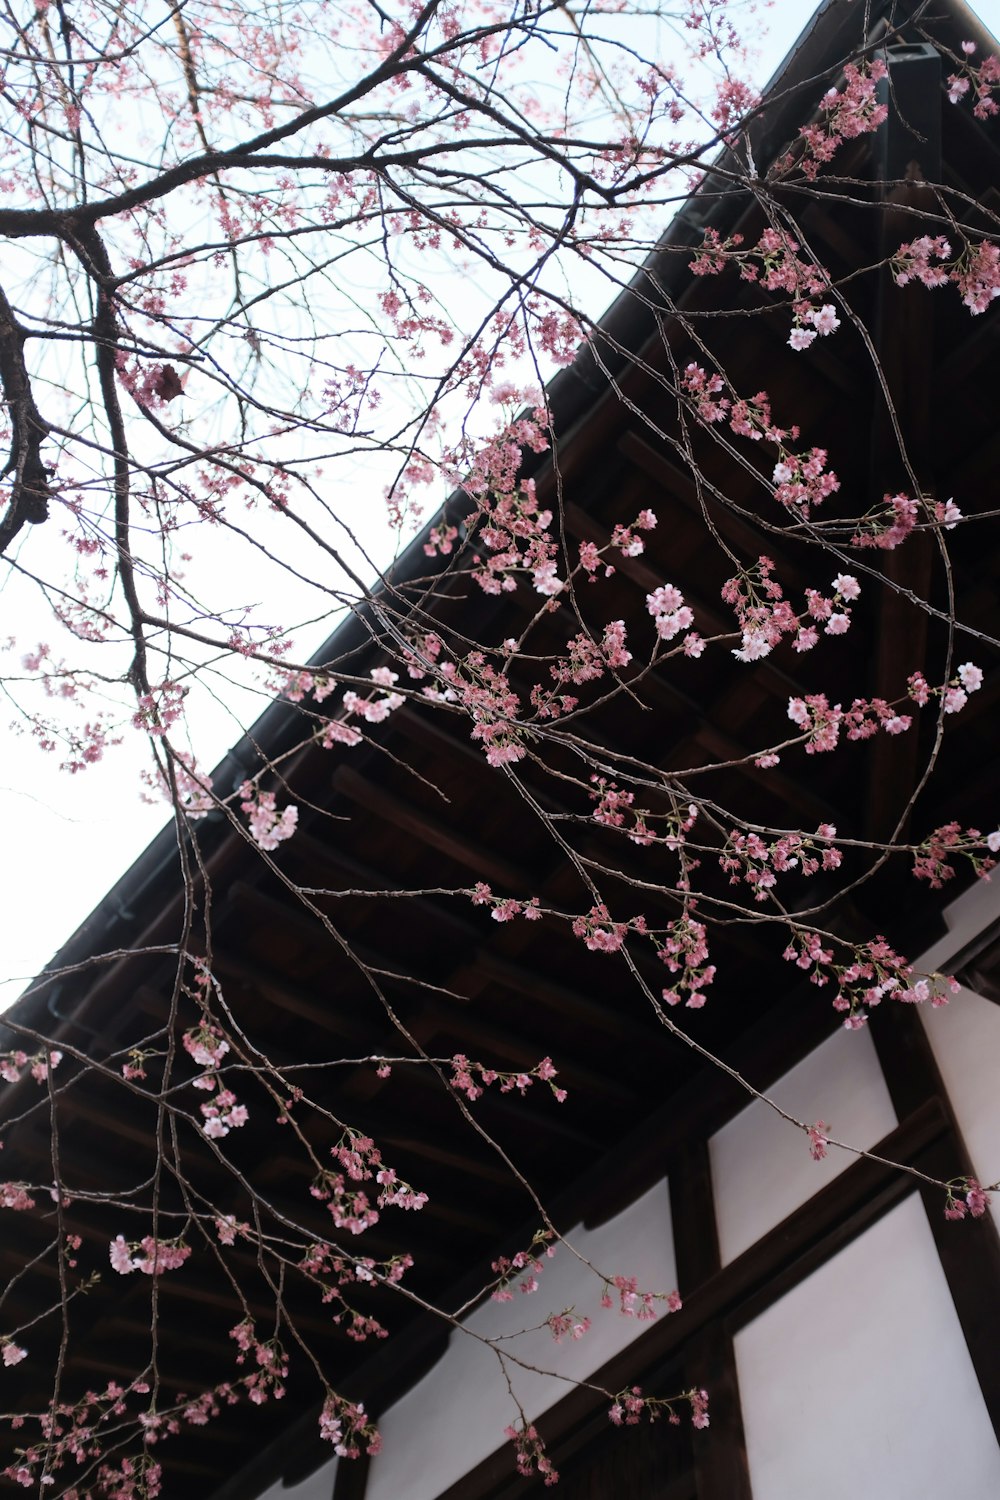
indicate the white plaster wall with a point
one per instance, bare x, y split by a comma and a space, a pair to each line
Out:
965, 1037
761, 1167
965, 917
319, 1486
456, 1415
858, 1384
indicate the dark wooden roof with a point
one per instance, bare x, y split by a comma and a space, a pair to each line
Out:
418, 808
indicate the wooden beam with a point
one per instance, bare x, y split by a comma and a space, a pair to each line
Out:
639, 451
482, 861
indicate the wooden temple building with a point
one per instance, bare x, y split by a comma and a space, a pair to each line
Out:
847, 1333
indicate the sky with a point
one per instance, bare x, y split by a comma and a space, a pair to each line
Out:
67, 839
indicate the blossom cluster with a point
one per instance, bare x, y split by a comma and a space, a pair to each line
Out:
72, 1432
360, 1160
635, 1303
505, 908
889, 524
954, 693
322, 1261
159, 709
333, 1272
373, 709
297, 684
440, 540
566, 1322
138, 1478
802, 481
747, 857
764, 616
873, 973
223, 1114
473, 1078
616, 809
512, 525
16, 1196
190, 789
627, 539
975, 271
38, 1065
529, 1453
205, 1044
426, 647
822, 723
585, 660
268, 827
812, 323
525, 1264
630, 1406
982, 78
845, 114
775, 264
491, 703
966, 1195
149, 1255
818, 1139
932, 859
268, 1379
670, 614
207, 1047
684, 950
69, 1433
345, 1424
600, 933
227, 1227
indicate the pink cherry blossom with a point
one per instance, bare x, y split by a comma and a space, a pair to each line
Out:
268, 827
824, 319
847, 586
122, 1259
818, 1140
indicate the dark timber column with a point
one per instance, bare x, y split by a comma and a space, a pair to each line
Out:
720, 1463
351, 1478
970, 1250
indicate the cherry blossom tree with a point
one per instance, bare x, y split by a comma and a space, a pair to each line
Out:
272, 272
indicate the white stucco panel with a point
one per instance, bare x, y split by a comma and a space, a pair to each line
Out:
965, 1036
858, 1383
761, 1166
965, 1039
319, 1485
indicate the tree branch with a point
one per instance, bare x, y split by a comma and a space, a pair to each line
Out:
28, 430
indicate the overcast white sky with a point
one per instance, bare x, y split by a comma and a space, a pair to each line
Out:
68, 839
